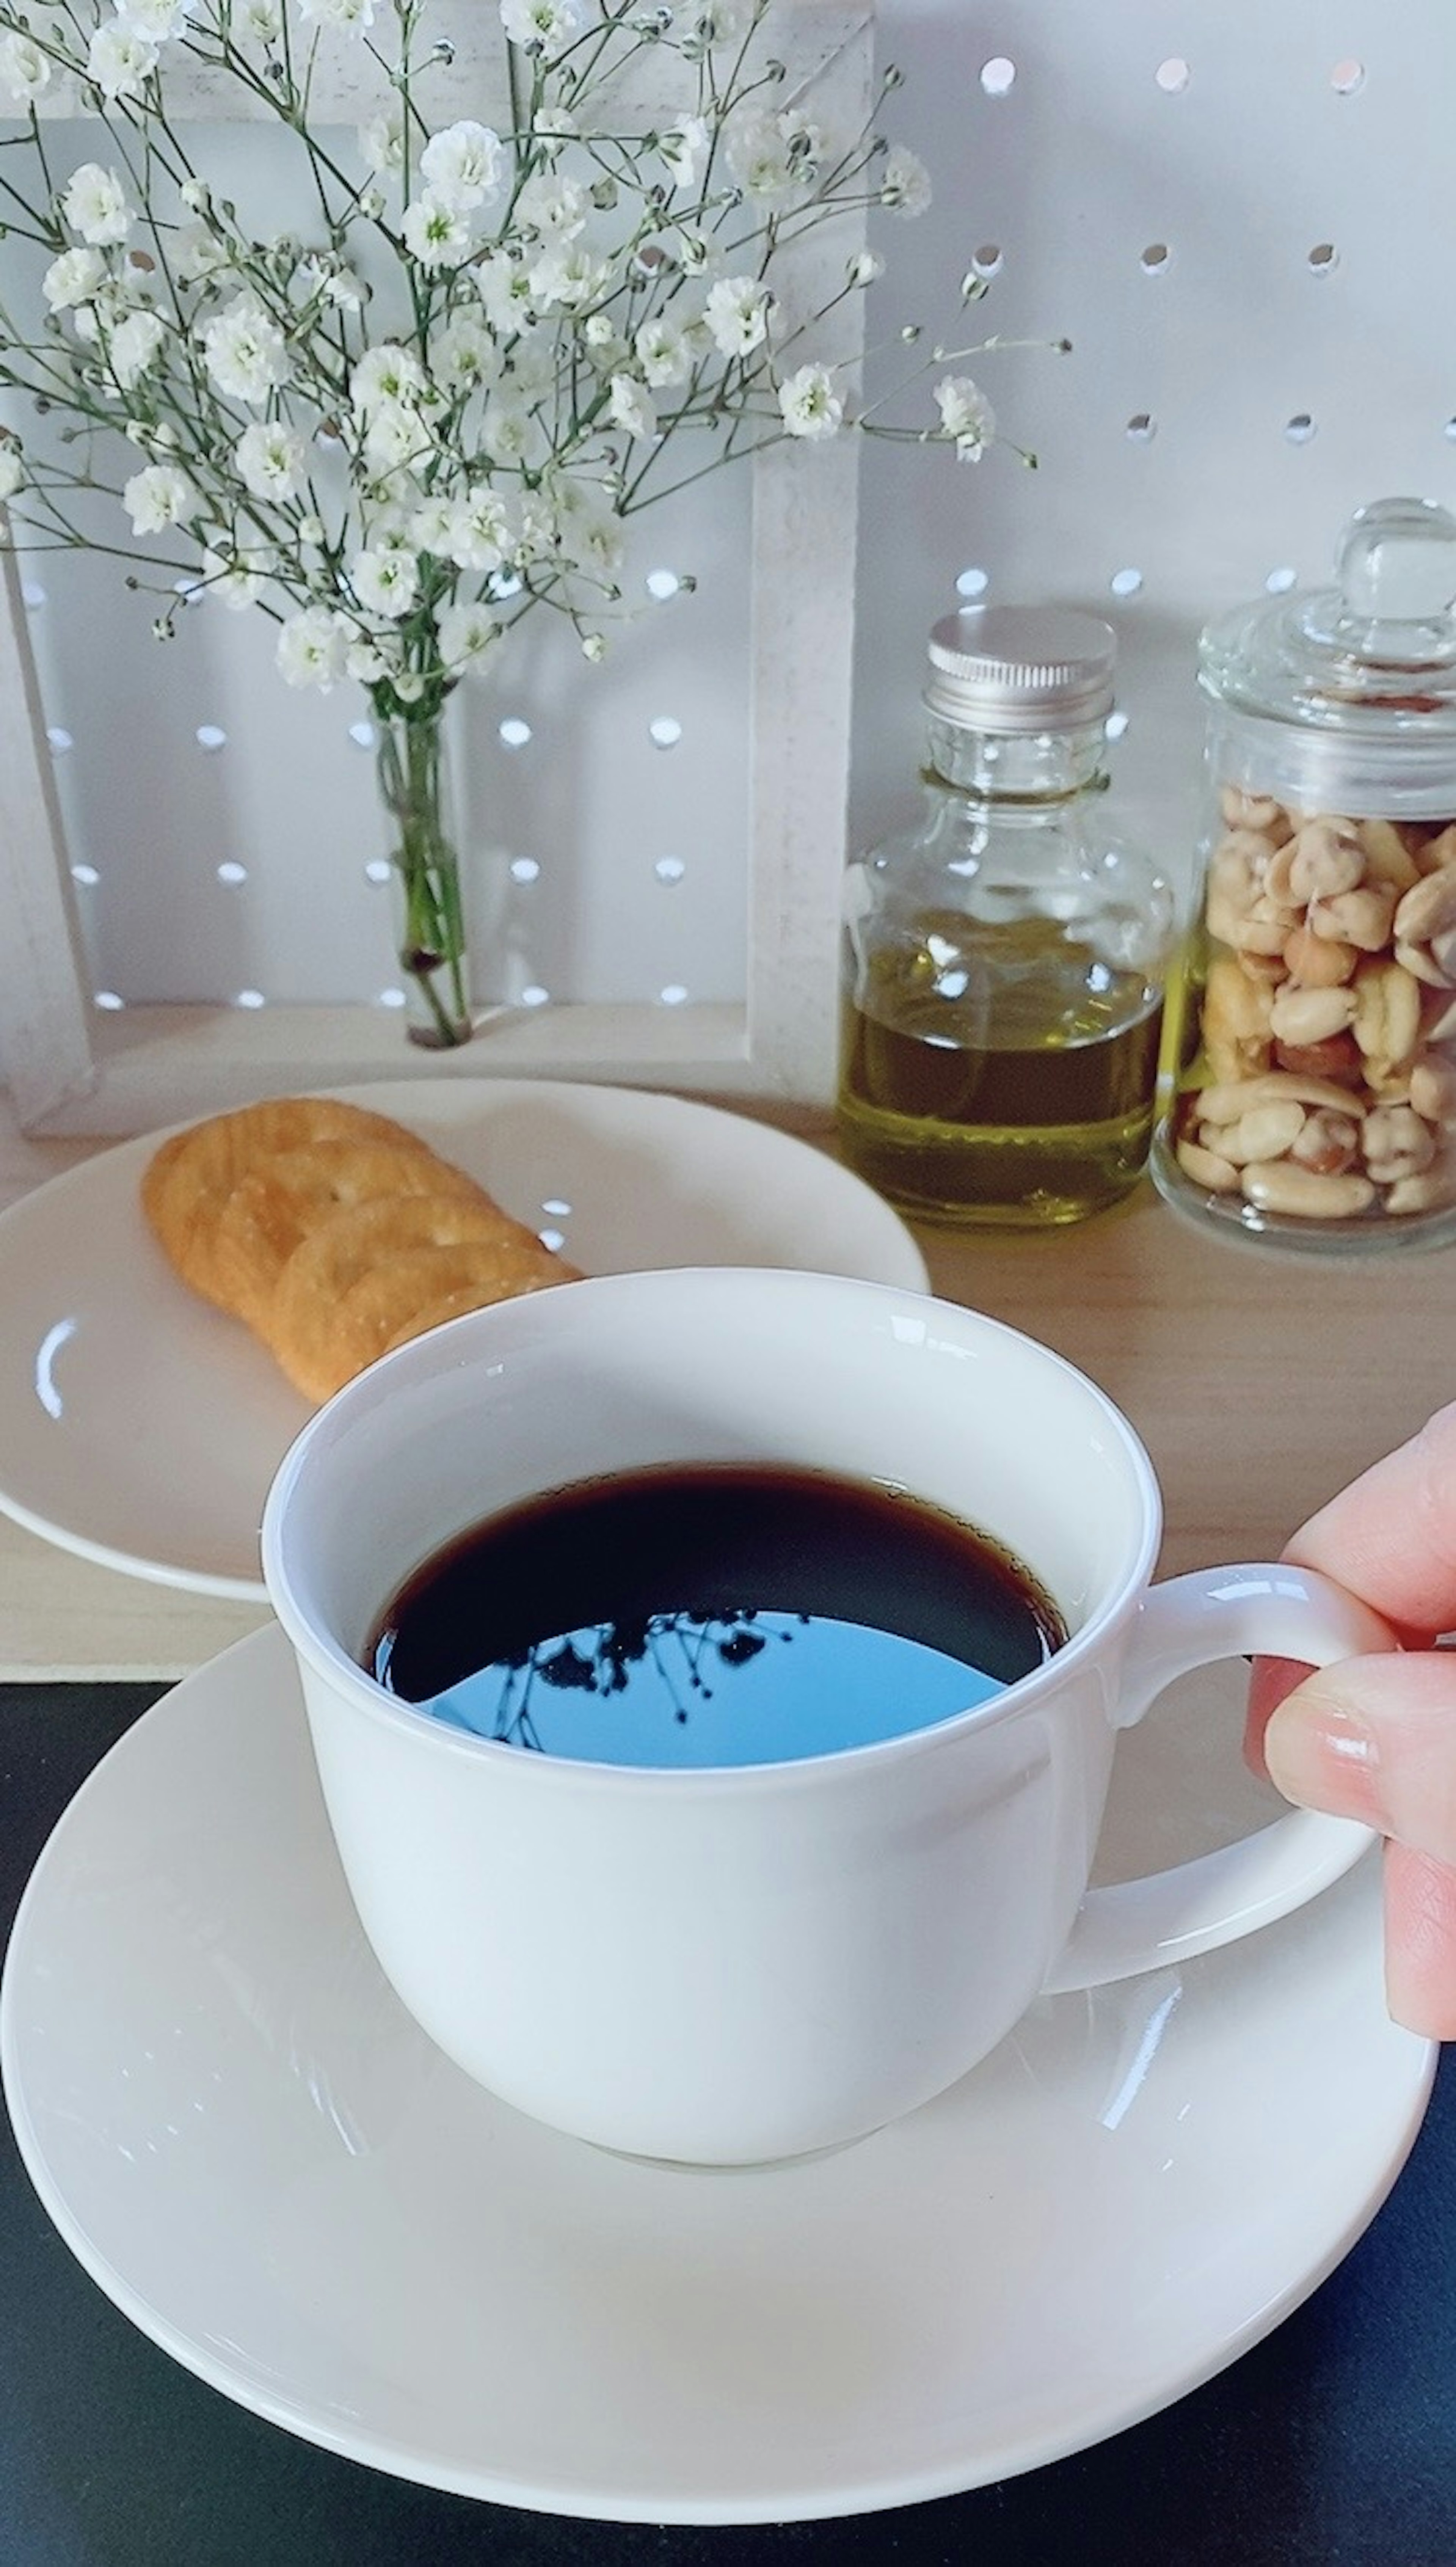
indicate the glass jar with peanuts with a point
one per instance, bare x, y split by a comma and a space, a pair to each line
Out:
1308, 1078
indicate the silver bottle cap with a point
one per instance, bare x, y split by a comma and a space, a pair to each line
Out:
1020, 669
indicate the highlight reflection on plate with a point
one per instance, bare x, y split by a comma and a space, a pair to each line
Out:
141, 1428
258, 2156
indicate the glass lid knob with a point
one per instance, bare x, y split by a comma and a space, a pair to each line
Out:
1396, 567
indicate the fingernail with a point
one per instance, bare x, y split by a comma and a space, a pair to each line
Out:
1322, 1756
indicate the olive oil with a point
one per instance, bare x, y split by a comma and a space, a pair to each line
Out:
1004, 1077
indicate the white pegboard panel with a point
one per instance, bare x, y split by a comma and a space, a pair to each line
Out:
1237, 214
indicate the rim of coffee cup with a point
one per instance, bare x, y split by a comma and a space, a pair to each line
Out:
454, 1347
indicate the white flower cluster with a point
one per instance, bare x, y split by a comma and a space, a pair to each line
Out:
445, 409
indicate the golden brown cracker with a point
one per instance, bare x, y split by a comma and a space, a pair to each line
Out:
271, 1211
192, 1175
304, 1324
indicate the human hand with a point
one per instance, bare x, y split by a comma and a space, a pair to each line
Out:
1375, 1738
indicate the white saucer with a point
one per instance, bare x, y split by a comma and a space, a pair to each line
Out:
140, 1427
262, 2161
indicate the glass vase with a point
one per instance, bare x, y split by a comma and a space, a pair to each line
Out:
413, 784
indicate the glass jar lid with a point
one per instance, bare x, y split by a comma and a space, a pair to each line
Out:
1020, 669
1361, 678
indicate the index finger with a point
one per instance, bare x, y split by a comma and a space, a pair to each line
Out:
1390, 1536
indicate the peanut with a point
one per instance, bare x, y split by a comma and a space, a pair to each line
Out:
1317, 961
1435, 852
1395, 1143
1360, 918
1430, 1191
1235, 1020
1208, 1168
1265, 1132
1281, 1186
1225, 1104
1423, 964
1428, 909
1310, 1016
1328, 1143
1387, 857
1433, 1091
1328, 859
1387, 1019
1245, 810
1338, 1060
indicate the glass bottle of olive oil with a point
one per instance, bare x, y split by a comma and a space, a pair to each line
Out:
1004, 962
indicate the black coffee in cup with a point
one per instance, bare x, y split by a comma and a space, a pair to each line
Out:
713, 1615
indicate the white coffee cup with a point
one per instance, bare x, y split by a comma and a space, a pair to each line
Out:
734, 1964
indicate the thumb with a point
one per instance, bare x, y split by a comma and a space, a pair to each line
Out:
1375, 1738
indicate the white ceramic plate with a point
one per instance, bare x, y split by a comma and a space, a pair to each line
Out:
140, 1427
258, 2156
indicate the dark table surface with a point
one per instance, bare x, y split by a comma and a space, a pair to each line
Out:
1331, 2445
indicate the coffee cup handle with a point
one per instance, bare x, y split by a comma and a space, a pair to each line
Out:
1192, 1621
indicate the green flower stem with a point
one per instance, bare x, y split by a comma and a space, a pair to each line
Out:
432, 931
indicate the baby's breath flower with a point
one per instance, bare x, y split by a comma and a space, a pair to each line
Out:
466, 633
25, 70
199, 254
664, 351
385, 582
631, 407
269, 457
809, 405
396, 437
465, 353
228, 579
158, 19
158, 498
905, 183
260, 19
435, 234
504, 288
541, 25
431, 525
95, 205
866, 268
479, 532
134, 345
384, 376
568, 279
354, 16
555, 208
245, 350
120, 58
604, 342
683, 148
365, 661
74, 277
966, 415
461, 167
737, 315
382, 142
505, 431
311, 647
